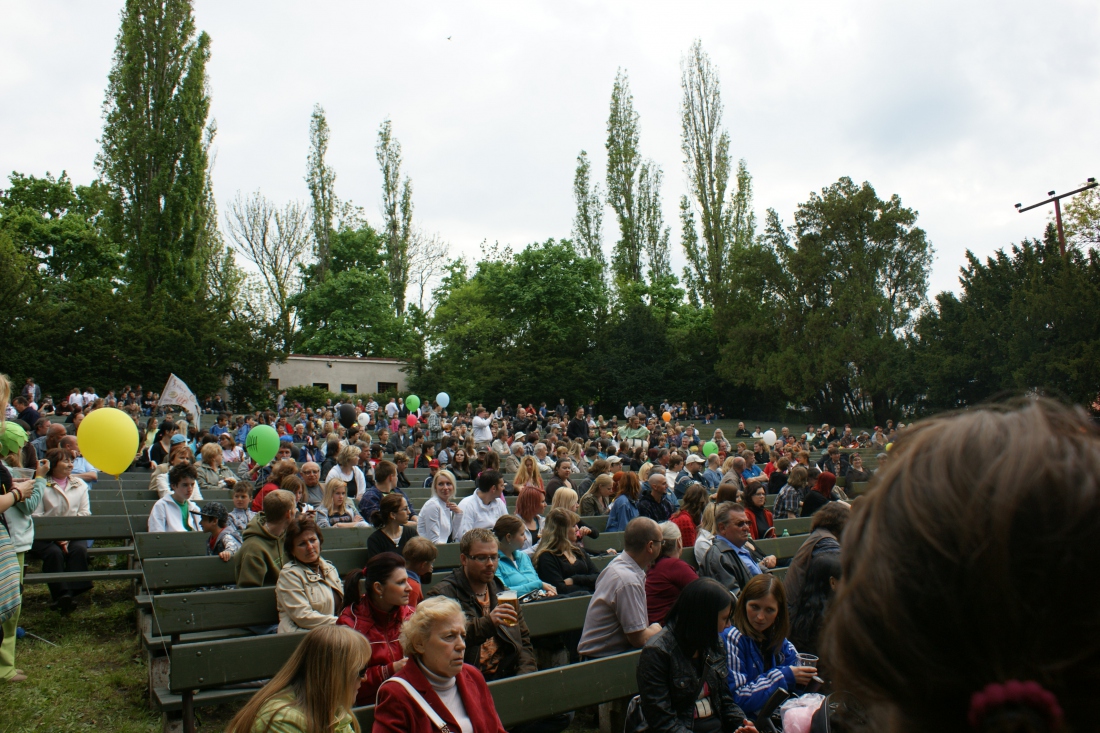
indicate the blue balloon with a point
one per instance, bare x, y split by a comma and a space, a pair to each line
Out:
443, 399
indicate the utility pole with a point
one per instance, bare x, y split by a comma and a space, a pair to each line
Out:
1091, 183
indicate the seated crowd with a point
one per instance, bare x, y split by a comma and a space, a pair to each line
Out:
722, 633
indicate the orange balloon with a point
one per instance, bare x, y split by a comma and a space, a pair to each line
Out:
667, 417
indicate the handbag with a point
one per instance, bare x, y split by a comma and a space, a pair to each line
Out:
415, 695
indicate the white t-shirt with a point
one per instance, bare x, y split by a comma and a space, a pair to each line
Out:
392, 409
356, 474
475, 513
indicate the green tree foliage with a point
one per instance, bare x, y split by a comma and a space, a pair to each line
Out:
728, 224
397, 208
1081, 219
69, 323
155, 139
321, 178
623, 161
350, 313
520, 327
1027, 320
588, 221
845, 292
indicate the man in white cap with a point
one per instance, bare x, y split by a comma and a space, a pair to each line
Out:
692, 473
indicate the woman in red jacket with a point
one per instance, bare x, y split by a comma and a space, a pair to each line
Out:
761, 522
434, 638
667, 576
379, 616
690, 513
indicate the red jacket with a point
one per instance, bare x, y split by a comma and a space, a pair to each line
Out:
752, 523
398, 713
258, 500
687, 527
382, 631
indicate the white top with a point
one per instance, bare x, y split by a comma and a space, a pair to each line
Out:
392, 409
447, 689
483, 433
628, 411
167, 517
476, 513
70, 502
356, 474
703, 541
435, 521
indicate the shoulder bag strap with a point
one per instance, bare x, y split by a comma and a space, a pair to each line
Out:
415, 695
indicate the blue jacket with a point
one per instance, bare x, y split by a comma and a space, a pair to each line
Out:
517, 573
749, 684
372, 498
622, 511
712, 478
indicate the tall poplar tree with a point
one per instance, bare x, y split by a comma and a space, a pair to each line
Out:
588, 222
155, 139
321, 177
623, 161
727, 224
397, 208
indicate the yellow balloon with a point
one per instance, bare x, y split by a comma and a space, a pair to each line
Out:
108, 438
889, 446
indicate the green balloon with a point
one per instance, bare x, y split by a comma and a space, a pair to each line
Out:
709, 448
262, 444
413, 403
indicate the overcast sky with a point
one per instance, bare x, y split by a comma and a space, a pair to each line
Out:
961, 108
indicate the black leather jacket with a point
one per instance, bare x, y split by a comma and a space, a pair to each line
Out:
669, 685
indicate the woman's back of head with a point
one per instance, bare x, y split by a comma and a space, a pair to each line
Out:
322, 676
968, 564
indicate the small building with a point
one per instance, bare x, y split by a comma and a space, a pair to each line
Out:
348, 374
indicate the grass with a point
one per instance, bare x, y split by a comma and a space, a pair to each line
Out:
96, 678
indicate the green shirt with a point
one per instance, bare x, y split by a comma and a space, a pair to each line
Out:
183, 514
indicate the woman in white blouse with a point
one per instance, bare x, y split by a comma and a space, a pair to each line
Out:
347, 470
65, 496
438, 518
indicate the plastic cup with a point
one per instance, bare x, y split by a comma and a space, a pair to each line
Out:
510, 597
807, 660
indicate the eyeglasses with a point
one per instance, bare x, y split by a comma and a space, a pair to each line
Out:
742, 525
483, 559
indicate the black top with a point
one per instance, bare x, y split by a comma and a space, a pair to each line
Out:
812, 502
379, 542
776, 481
554, 569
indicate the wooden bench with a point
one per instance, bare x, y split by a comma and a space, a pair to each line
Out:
196, 670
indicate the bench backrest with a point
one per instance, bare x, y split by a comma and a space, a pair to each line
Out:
230, 661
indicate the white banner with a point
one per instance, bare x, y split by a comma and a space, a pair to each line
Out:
178, 393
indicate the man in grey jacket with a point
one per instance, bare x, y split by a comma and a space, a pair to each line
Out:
728, 560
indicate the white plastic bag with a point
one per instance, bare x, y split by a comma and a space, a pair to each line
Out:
799, 711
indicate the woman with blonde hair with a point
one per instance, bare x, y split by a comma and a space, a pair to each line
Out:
315, 689
158, 480
558, 560
528, 475
704, 534
347, 470
596, 501
580, 463
213, 473
438, 518
335, 509
433, 639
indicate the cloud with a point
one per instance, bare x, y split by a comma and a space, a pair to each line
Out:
962, 109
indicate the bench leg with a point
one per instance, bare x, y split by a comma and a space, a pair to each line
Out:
613, 715
173, 723
188, 711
